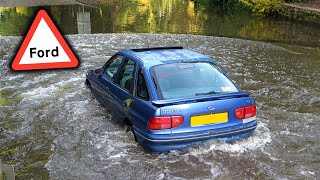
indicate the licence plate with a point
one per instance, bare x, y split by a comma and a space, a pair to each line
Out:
209, 119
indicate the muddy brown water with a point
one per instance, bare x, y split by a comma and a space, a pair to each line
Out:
52, 126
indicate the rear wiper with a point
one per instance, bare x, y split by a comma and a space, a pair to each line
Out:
211, 92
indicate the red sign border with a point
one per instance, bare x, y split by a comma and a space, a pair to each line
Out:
42, 14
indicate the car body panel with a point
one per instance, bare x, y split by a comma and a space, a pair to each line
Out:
201, 108
165, 143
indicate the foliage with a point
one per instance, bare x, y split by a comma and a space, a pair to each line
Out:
260, 7
13, 20
234, 7
263, 7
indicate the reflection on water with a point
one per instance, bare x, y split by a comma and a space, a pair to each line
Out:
161, 16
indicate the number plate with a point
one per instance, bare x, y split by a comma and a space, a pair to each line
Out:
209, 119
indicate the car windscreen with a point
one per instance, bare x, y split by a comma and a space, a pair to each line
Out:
184, 80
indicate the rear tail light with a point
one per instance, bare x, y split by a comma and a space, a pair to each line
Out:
246, 112
176, 121
164, 122
250, 111
239, 113
159, 122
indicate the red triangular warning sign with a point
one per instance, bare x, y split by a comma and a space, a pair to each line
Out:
44, 47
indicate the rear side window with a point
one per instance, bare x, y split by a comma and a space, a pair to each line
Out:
126, 76
142, 90
111, 67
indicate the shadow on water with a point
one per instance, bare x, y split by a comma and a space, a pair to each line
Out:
165, 16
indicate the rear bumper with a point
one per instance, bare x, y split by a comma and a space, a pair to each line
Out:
165, 143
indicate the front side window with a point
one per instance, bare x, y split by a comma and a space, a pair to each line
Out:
182, 80
111, 67
126, 76
142, 90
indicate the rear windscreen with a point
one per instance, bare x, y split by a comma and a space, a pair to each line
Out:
182, 80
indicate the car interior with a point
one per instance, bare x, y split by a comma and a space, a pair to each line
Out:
126, 76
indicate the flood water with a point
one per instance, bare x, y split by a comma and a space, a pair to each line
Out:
52, 127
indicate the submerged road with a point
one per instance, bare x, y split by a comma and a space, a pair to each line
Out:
52, 127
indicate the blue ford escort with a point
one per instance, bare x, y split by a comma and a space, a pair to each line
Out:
172, 98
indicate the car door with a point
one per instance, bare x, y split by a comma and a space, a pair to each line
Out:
106, 81
124, 87
141, 108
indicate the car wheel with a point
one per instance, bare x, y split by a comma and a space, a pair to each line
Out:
129, 129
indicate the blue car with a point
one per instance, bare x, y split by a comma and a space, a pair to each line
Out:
172, 98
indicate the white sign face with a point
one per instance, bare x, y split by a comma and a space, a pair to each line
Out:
44, 47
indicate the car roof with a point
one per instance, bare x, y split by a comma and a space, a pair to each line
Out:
149, 57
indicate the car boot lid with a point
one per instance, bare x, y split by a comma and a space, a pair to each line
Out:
200, 98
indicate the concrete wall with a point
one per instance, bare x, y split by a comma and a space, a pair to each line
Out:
301, 13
